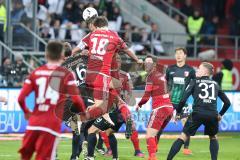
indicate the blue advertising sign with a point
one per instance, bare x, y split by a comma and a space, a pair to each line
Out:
12, 118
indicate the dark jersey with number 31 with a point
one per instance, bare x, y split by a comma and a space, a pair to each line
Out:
205, 92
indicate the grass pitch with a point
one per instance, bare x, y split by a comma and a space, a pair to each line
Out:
229, 149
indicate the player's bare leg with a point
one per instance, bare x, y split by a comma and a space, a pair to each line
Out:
97, 110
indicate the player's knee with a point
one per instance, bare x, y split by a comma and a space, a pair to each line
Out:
184, 137
92, 129
213, 137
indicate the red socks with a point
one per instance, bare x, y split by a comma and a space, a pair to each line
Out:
135, 140
105, 139
151, 146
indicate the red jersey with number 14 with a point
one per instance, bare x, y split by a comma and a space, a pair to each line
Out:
103, 44
51, 84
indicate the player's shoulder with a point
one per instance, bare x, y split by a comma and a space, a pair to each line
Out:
173, 66
189, 67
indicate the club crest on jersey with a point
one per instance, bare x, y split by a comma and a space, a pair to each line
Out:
186, 73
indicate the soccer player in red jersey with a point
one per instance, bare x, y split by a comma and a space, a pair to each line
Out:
123, 94
52, 85
162, 109
102, 44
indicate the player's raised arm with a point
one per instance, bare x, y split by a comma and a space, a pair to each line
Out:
132, 55
226, 102
25, 91
187, 93
83, 44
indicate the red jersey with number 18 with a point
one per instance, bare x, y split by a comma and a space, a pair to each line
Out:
103, 44
51, 84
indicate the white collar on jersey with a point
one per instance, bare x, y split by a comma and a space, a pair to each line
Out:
102, 28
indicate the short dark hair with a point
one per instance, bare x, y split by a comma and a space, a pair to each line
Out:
67, 49
100, 22
209, 67
181, 49
54, 50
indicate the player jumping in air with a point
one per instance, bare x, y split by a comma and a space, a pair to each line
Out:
205, 92
178, 77
162, 109
52, 85
119, 115
102, 44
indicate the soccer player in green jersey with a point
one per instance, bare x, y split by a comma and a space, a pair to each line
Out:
178, 76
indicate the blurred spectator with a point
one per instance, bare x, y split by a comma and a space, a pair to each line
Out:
54, 28
7, 70
210, 28
126, 34
177, 18
17, 12
6, 63
154, 38
136, 40
42, 13
56, 6
21, 71
115, 20
225, 78
70, 12
209, 8
194, 28
3, 20
187, 8
146, 19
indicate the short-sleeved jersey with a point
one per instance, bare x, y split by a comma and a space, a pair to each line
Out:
156, 87
102, 45
51, 84
177, 79
205, 92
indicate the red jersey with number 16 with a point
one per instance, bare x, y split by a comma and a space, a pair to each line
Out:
103, 44
51, 84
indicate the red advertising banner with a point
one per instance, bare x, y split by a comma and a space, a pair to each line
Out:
217, 65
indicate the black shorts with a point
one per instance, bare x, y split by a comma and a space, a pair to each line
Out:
103, 124
210, 123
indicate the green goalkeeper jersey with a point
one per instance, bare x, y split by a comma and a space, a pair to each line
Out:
177, 79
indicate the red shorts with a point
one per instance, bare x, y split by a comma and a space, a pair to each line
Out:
41, 142
100, 85
160, 117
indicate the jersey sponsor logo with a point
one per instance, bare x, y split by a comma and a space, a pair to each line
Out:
178, 80
172, 72
186, 73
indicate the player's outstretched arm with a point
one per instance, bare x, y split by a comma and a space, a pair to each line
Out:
132, 55
226, 102
146, 96
187, 93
